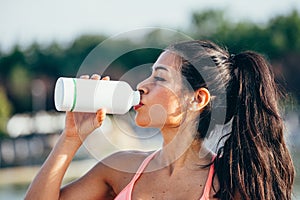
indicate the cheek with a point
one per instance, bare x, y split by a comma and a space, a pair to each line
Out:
163, 109
154, 116
158, 115
172, 103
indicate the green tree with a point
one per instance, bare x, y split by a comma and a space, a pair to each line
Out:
278, 39
5, 111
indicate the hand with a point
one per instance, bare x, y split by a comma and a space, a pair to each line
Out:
79, 125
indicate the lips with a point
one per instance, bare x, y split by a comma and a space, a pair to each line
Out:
138, 106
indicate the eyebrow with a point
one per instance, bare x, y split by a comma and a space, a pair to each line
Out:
160, 67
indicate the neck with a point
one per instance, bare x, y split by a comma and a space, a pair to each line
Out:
181, 149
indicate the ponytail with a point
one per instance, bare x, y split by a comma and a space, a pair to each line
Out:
254, 162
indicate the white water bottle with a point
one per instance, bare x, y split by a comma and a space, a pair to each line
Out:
87, 95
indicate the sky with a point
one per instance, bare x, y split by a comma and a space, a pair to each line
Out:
26, 21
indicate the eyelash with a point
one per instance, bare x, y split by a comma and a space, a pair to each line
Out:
159, 78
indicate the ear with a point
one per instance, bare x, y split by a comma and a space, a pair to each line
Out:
201, 99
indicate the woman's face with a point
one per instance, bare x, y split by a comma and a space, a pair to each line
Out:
162, 94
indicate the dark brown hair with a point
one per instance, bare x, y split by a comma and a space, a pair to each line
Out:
254, 162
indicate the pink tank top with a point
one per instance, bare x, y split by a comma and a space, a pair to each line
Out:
126, 193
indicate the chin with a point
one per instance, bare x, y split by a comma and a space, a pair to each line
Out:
142, 123
147, 122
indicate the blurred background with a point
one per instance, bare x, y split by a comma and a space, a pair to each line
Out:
43, 40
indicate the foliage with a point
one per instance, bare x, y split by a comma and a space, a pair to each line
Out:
278, 39
5, 111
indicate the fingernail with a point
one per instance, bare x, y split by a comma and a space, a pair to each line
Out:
96, 76
84, 76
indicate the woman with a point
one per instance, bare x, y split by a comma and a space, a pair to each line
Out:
253, 163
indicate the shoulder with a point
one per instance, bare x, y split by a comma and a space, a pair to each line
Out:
119, 168
108, 177
125, 161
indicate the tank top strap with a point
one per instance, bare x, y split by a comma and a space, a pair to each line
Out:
126, 193
209, 181
143, 166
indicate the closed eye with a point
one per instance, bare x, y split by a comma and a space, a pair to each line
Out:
157, 78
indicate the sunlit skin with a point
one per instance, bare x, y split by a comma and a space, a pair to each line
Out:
173, 173
184, 166
174, 118
164, 99
161, 93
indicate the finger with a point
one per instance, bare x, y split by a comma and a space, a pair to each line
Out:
85, 76
100, 116
106, 78
95, 77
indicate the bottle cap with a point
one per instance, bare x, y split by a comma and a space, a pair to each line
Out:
64, 94
136, 98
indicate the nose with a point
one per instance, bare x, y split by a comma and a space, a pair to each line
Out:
142, 87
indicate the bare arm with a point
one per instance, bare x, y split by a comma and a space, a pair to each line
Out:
47, 182
93, 185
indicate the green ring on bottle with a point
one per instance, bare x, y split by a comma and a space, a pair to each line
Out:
75, 95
